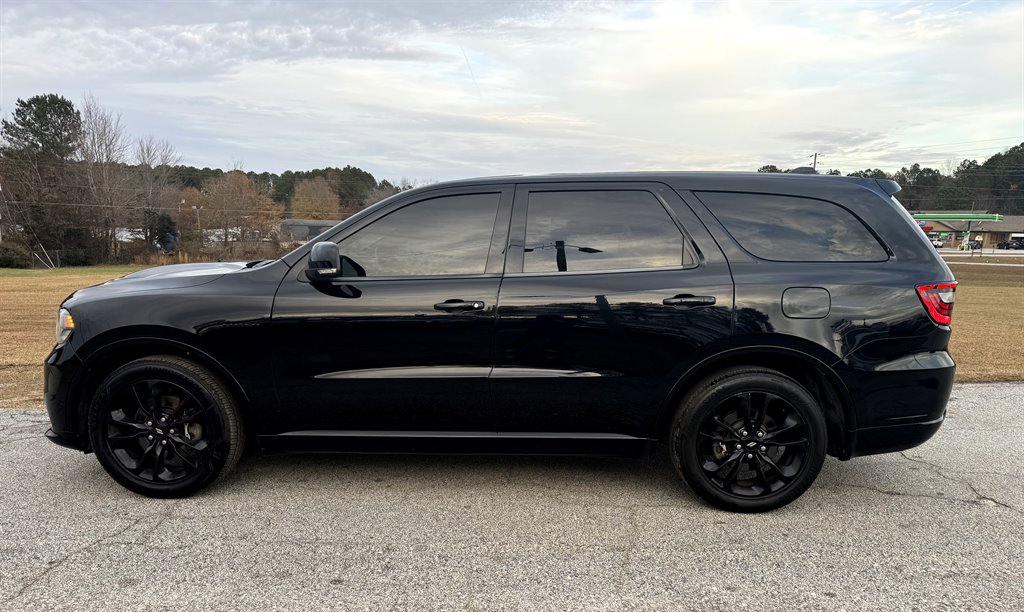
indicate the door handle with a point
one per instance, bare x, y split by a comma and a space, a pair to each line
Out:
459, 306
689, 301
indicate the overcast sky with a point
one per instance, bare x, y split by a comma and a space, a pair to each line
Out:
429, 90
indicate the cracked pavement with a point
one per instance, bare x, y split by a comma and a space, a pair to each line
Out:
938, 526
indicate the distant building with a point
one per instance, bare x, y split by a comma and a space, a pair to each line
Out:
990, 233
1012, 226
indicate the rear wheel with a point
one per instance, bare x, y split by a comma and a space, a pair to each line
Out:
165, 427
749, 439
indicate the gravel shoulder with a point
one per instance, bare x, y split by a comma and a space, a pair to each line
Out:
938, 526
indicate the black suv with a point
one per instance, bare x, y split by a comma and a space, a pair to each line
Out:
753, 323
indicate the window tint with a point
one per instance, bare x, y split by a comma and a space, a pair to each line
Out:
446, 235
786, 228
571, 231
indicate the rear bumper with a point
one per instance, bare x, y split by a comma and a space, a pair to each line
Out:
891, 438
900, 404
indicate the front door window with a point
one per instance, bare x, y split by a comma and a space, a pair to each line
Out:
449, 235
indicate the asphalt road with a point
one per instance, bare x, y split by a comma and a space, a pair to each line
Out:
940, 526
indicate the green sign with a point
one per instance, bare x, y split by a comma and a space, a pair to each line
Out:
944, 234
960, 217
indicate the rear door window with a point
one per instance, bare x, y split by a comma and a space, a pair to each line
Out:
789, 228
574, 231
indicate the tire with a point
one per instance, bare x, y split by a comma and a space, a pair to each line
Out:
200, 439
748, 439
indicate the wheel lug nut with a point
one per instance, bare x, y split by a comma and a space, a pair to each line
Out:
149, 423
172, 431
163, 442
739, 446
163, 419
743, 432
750, 455
760, 434
150, 436
764, 448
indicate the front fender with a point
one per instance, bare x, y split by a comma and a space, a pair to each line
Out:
251, 385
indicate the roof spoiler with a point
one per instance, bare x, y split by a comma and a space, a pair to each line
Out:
889, 187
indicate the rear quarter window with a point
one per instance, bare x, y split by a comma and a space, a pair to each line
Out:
789, 228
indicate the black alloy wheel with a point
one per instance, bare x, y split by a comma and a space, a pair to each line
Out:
749, 439
752, 444
164, 427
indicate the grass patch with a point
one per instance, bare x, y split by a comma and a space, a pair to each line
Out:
955, 259
108, 272
988, 324
28, 313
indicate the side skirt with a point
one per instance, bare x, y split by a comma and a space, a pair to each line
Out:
445, 443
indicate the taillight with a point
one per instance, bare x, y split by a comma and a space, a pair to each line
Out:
938, 301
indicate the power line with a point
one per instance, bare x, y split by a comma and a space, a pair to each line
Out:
181, 169
184, 171
934, 155
944, 144
279, 211
144, 208
175, 189
180, 179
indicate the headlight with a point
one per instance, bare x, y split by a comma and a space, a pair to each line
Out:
65, 325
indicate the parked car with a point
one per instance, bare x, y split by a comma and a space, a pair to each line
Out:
938, 243
1013, 243
753, 323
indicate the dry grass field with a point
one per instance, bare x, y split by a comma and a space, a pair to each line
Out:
988, 323
28, 316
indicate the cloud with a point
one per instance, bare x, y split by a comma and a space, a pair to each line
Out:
550, 87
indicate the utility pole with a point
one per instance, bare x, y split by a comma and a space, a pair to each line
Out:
814, 164
199, 225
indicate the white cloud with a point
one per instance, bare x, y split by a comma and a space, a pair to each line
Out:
549, 87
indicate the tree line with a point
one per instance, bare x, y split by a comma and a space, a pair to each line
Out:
73, 180
995, 185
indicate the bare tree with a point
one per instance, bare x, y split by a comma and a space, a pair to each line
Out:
103, 155
949, 167
314, 199
237, 206
159, 194
157, 156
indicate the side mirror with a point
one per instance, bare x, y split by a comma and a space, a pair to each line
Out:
324, 262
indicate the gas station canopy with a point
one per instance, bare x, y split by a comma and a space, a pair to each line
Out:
955, 217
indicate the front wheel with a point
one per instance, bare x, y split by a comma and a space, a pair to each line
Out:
749, 439
165, 427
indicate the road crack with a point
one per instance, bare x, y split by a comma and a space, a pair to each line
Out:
972, 502
940, 472
60, 562
161, 519
13, 440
